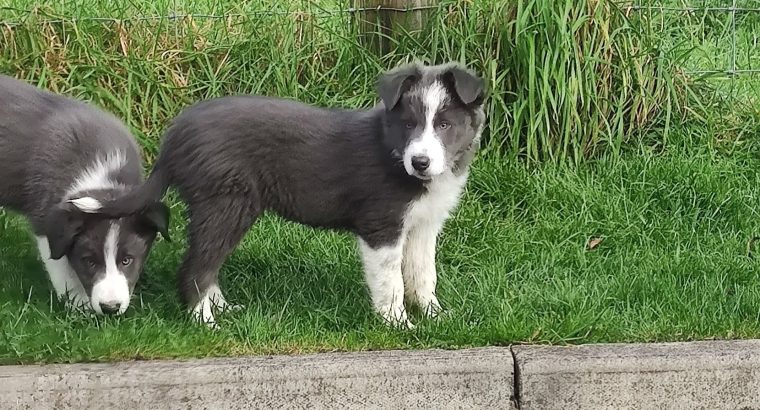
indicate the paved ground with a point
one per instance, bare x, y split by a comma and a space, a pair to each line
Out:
698, 375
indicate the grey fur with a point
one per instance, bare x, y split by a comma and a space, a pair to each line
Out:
46, 142
232, 158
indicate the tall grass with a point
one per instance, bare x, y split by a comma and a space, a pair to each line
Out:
568, 79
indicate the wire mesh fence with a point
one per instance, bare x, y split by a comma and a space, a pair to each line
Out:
722, 57
721, 37
567, 77
686, 9
733, 9
200, 16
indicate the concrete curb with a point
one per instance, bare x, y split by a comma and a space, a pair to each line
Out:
694, 375
436, 379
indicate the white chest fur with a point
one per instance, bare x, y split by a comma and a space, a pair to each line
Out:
407, 268
433, 207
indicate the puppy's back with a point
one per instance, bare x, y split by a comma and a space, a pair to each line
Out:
46, 140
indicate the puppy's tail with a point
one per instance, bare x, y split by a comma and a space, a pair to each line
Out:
138, 199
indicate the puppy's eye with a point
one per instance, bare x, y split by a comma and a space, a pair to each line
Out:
410, 125
127, 260
89, 261
444, 125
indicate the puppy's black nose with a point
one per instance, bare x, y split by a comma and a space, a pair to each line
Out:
110, 308
420, 162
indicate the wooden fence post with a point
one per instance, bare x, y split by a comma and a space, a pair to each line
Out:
379, 20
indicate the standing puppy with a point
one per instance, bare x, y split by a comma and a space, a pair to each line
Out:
58, 157
391, 175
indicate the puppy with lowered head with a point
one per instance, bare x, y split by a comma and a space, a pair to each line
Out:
390, 175
58, 157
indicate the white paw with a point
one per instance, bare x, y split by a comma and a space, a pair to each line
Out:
396, 317
430, 306
213, 301
232, 308
202, 313
220, 304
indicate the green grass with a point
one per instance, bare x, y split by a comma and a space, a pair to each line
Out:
582, 144
514, 267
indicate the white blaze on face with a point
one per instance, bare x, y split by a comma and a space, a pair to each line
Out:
113, 287
428, 144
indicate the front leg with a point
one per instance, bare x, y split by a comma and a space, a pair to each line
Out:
418, 267
382, 270
65, 282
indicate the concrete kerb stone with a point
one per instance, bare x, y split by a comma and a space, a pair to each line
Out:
691, 375
433, 379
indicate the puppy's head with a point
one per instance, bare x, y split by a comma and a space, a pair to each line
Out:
107, 254
433, 114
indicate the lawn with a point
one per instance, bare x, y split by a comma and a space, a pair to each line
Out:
653, 240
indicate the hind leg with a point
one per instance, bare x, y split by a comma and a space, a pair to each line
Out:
216, 227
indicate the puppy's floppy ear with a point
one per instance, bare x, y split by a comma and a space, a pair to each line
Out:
61, 226
393, 83
156, 217
469, 87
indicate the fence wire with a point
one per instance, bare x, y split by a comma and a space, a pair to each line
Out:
730, 70
664, 6
316, 12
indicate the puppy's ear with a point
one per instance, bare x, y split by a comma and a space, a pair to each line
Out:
62, 225
469, 87
156, 218
392, 84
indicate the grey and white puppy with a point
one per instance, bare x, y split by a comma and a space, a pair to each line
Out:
58, 157
390, 174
